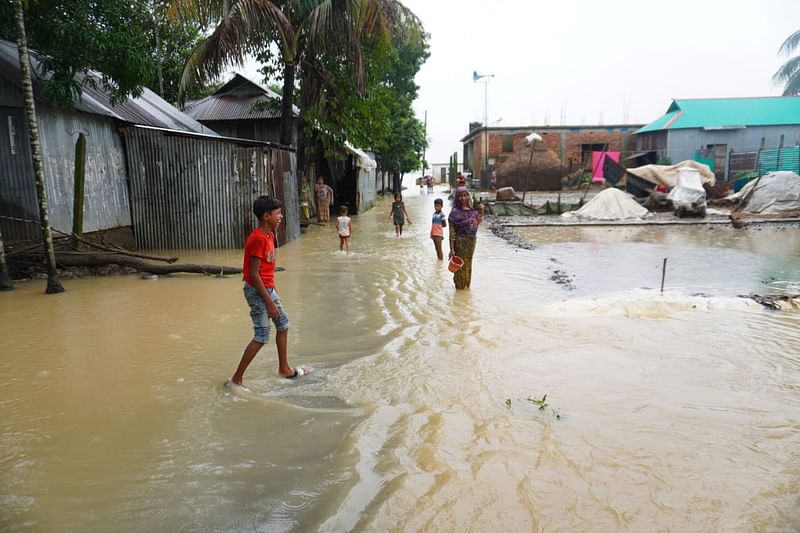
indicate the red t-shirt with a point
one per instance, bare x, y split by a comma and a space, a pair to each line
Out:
261, 245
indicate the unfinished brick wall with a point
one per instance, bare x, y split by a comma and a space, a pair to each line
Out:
567, 143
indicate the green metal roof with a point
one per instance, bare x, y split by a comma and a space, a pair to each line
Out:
728, 113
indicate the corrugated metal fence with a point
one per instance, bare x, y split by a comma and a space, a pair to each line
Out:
192, 191
768, 160
779, 159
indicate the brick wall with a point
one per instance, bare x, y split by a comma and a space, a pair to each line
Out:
568, 143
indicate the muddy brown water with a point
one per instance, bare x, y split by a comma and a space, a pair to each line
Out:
665, 412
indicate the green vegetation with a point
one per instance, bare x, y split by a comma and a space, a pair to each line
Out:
109, 36
129, 42
314, 41
380, 117
541, 405
789, 73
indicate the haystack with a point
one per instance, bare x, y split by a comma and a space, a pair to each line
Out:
545, 169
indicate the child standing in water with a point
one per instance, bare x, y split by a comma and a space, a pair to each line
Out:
438, 224
399, 214
259, 290
344, 228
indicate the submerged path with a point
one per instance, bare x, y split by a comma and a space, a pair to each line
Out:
672, 412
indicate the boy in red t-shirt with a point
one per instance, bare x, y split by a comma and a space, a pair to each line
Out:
259, 290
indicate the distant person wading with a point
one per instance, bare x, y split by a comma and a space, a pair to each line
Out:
464, 222
324, 195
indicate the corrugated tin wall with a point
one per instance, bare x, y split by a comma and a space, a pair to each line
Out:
197, 192
17, 190
106, 196
106, 191
367, 189
684, 143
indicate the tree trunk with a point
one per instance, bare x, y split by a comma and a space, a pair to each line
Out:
396, 183
5, 279
287, 116
302, 160
53, 283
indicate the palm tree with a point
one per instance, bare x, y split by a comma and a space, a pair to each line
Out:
53, 282
303, 30
789, 73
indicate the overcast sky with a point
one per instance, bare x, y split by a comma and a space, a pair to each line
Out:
592, 62
611, 62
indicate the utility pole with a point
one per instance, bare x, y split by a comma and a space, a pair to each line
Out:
424, 146
485, 172
485, 158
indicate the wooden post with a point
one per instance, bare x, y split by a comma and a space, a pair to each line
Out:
528, 175
728, 166
663, 274
5, 279
758, 156
77, 199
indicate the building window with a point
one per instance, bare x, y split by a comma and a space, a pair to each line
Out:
508, 143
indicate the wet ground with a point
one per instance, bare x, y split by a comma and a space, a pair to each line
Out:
677, 411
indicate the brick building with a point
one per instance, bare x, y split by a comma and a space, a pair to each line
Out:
572, 144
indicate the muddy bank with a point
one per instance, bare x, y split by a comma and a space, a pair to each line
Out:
778, 290
497, 226
656, 219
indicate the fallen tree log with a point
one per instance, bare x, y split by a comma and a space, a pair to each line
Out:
116, 249
103, 259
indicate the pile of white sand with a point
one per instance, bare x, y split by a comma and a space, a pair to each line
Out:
611, 204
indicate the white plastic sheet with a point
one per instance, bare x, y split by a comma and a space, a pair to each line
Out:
775, 192
688, 189
668, 174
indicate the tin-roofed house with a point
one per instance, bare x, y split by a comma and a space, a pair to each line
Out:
731, 135
246, 109
242, 108
153, 173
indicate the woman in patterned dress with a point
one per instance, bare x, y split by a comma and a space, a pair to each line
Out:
464, 222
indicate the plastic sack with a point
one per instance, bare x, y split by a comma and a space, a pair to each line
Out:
688, 189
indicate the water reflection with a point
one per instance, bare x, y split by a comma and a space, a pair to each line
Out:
677, 411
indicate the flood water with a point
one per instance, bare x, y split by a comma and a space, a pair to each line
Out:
673, 412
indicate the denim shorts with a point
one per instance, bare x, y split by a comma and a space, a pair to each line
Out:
259, 316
